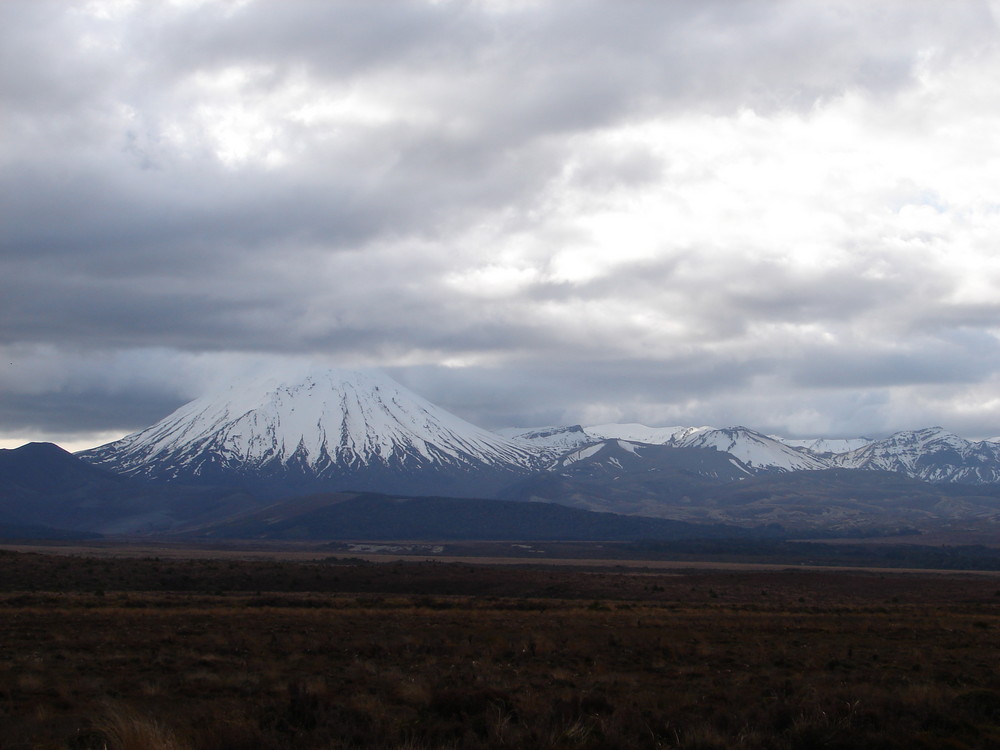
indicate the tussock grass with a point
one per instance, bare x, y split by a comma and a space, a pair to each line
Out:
119, 727
661, 663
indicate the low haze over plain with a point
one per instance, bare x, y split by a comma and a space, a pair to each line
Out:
778, 214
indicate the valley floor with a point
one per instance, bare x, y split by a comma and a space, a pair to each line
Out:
212, 653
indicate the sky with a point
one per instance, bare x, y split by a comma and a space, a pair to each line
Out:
783, 214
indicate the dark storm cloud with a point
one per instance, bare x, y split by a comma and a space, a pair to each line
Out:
855, 367
68, 412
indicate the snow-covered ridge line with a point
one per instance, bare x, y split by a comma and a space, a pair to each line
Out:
362, 430
639, 433
754, 449
932, 454
548, 439
826, 446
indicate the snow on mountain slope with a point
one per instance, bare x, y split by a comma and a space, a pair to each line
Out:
640, 433
618, 447
624, 477
549, 439
826, 446
331, 424
932, 454
753, 449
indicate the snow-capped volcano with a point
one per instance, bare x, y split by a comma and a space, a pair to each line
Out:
335, 429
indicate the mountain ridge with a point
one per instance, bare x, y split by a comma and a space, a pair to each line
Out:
339, 430
931, 454
353, 431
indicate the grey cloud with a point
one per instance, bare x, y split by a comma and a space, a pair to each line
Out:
770, 292
557, 67
870, 367
114, 235
717, 393
345, 38
967, 319
553, 391
42, 73
84, 411
93, 213
719, 301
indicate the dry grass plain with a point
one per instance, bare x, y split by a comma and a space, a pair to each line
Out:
213, 654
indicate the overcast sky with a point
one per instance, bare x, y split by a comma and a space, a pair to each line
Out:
778, 214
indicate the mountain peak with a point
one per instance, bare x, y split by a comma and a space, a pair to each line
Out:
933, 454
343, 428
753, 449
44, 466
36, 449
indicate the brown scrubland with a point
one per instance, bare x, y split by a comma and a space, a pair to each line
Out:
213, 654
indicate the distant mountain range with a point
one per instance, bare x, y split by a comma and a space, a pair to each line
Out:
932, 454
224, 458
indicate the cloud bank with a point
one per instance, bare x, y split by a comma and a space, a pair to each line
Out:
775, 214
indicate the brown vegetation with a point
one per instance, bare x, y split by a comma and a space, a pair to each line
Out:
213, 655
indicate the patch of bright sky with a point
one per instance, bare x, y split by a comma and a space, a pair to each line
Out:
253, 114
230, 6
108, 10
501, 6
493, 280
318, 106
238, 117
